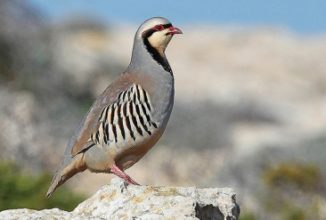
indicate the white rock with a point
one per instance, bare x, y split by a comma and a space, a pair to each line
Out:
121, 201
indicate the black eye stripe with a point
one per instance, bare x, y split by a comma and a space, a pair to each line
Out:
160, 27
167, 25
149, 32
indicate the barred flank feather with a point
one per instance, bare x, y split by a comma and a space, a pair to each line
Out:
129, 118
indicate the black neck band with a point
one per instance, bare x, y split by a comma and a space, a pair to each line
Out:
154, 53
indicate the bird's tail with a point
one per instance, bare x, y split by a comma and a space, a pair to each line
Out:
68, 168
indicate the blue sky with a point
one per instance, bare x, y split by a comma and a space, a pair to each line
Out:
303, 16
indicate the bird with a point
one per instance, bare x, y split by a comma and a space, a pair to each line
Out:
131, 114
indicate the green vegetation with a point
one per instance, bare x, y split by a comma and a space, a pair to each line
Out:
294, 213
301, 176
292, 191
247, 216
20, 190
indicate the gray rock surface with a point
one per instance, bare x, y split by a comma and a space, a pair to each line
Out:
121, 201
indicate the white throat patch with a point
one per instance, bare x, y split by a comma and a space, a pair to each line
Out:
159, 40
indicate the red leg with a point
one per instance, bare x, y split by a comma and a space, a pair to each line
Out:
117, 171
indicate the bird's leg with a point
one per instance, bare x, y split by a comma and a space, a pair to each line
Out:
117, 171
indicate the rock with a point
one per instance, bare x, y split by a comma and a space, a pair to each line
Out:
26, 214
121, 201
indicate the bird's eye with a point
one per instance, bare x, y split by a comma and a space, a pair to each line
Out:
159, 27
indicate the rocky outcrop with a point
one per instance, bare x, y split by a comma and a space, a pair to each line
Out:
121, 201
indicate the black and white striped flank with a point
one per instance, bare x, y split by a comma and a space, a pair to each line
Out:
128, 119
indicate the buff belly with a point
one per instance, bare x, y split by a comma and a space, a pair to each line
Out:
100, 159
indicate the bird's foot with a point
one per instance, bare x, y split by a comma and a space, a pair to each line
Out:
117, 171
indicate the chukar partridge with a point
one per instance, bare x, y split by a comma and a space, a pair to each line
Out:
129, 117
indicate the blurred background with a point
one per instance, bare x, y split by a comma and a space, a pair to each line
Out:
250, 110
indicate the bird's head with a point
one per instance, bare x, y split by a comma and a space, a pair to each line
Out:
157, 32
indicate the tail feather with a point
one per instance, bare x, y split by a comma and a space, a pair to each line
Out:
69, 167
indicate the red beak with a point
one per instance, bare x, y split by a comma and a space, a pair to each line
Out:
174, 30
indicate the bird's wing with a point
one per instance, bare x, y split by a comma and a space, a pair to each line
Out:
90, 123
126, 121
125, 116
